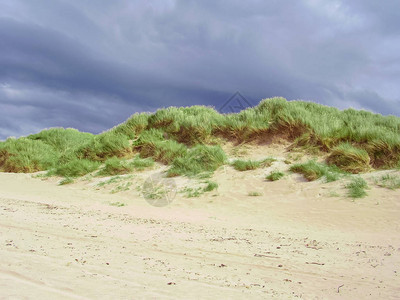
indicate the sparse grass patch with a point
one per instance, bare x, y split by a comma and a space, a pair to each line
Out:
66, 180
192, 192
294, 157
333, 194
390, 181
313, 171
255, 194
113, 179
349, 158
239, 151
117, 204
122, 188
245, 165
356, 188
211, 185
204, 175
275, 175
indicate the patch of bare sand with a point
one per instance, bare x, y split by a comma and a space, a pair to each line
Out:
295, 240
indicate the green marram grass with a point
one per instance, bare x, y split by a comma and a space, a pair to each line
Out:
390, 181
353, 140
75, 168
246, 165
349, 158
211, 185
115, 166
356, 187
104, 146
199, 159
152, 143
255, 194
275, 175
66, 180
26, 156
313, 170
65, 142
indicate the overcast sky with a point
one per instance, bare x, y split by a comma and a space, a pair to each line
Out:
91, 64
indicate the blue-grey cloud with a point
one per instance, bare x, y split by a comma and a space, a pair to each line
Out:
90, 65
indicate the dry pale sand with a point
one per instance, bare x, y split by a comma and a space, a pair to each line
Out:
295, 241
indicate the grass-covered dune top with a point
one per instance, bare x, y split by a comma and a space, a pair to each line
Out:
182, 137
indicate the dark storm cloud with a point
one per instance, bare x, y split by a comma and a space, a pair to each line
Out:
90, 65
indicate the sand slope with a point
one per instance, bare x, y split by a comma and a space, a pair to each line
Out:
294, 241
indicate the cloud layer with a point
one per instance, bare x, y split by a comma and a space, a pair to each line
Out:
90, 65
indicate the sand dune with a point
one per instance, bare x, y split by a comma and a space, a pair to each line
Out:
294, 241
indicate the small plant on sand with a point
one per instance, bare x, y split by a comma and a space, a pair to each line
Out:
313, 171
356, 188
211, 185
333, 194
112, 180
66, 180
156, 192
239, 151
121, 188
192, 192
294, 157
245, 165
274, 176
255, 194
204, 175
117, 204
390, 181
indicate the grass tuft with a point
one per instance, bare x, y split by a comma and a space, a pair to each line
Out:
349, 158
255, 194
66, 180
211, 185
356, 188
246, 165
389, 181
275, 175
313, 171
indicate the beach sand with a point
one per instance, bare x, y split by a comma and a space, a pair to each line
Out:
297, 240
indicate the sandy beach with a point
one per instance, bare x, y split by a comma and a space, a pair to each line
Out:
294, 241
